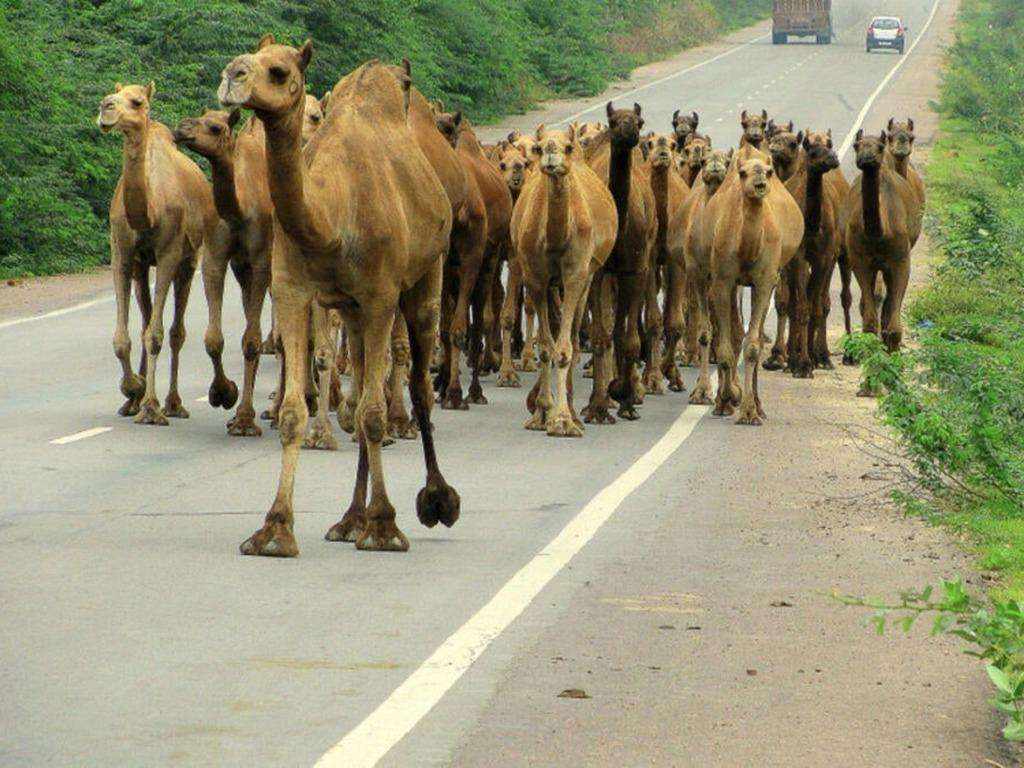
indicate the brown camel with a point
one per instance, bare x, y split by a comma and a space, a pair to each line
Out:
563, 230
758, 228
883, 221
670, 191
587, 133
616, 159
162, 213
901, 146
357, 231
474, 280
694, 150
690, 234
683, 126
753, 129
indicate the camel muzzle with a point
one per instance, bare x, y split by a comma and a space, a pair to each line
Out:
235, 88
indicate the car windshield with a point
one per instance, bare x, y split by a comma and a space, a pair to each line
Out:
886, 24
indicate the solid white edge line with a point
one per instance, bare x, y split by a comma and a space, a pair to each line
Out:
664, 79
56, 312
368, 742
85, 433
203, 399
848, 141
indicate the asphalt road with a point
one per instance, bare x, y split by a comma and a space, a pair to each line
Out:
638, 564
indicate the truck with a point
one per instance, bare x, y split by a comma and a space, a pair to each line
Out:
802, 18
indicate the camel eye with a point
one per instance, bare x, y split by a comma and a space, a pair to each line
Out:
743, 174
215, 130
280, 74
536, 149
502, 166
568, 149
136, 103
792, 145
315, 118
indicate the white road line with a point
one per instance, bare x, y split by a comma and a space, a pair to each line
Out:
369, 741
203, 399
665, 79
848, 141
56, 312
84, 434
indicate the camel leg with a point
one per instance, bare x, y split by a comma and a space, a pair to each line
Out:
492, 318
868, 312
777, 359
539, 401
596, 411
675, 296
254, 284
507, 376
817, 290
320, 435
626, 338
750, 410
132, 385
701, 394
653, 326
347, 410
399, 423
223, 392
276, 537
528, 360
478, 330
846, 297
149, 409
896, 277
561, 422
145, 302
176, 336
453, 338
723, 300
799, 314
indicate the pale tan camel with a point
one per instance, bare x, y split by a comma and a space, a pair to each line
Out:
754, 127
161, 214
683, 126
359, 231
691, 157
563, 230
901, 145
758, 230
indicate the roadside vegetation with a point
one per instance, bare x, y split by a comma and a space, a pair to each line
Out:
955, 399
488, 57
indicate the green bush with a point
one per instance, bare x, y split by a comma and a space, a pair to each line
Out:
487, 57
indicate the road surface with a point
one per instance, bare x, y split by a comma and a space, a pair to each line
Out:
673, 569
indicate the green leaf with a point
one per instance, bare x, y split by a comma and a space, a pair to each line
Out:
999, 679
1014, 731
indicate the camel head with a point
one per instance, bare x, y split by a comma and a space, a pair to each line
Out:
684, 125
821, 155
523, 143
624, 125
313, 115
755, 177
125, 109
869, 150
715, 167
209, 135
586, 133
776, 128
754, 127
553, 150
695, 149
449, 124
784, 146
660, 149
514, 167
901, 138
271, 80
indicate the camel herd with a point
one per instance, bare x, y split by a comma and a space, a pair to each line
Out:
393, 243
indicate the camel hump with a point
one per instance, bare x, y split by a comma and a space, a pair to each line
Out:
373, 89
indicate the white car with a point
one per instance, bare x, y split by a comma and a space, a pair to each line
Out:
887, 32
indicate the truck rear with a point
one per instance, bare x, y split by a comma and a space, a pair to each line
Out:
802, 18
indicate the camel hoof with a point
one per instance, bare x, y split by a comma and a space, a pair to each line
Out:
749, 417
244, 425
452, 401
269, 415
563, 426
347, 417
349, 528
848, 359
803, 371
774, 363
476, 398
724, 409
402, 428
130, 407
527, 366
437, 502
272, 540
134, 387
150, 413
223, 394
597, 414
825, 364
628, 412
508, 378
382, 536
654, 385
174, 409
320, 438
537, 422
701, 396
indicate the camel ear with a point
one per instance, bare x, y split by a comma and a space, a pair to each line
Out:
910, 123
645, 149
789, 128
696, 119
571, 131
884, 137
891, 121
636, 109
514, 136
118, 87
267, 39
743, 118
708, 138
305, 54
407, 66
539, 132
150, 90
859, 136
764, 115
233, 117
609, 110
804, 140
732, 151
325, 101
457, 117
675, 117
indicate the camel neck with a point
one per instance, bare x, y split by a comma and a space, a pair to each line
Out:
557, 232
299, 218
225, 194
751, 230
869, 191
659, 186
137, 203
620, 171
788, 170
900, 164
812, 212
691, 174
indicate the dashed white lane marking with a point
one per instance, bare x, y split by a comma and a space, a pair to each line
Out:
848, 141
369, 741
659, 81
84, 434
56, 312
203, 399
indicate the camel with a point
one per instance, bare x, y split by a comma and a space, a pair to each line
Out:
161, 214
757, 230
474, 278
357, 231
563, 230
753, 129
696, 146
689, 234
683, 126
670, 190
901, 146
586, 133
615, 158
883, 221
